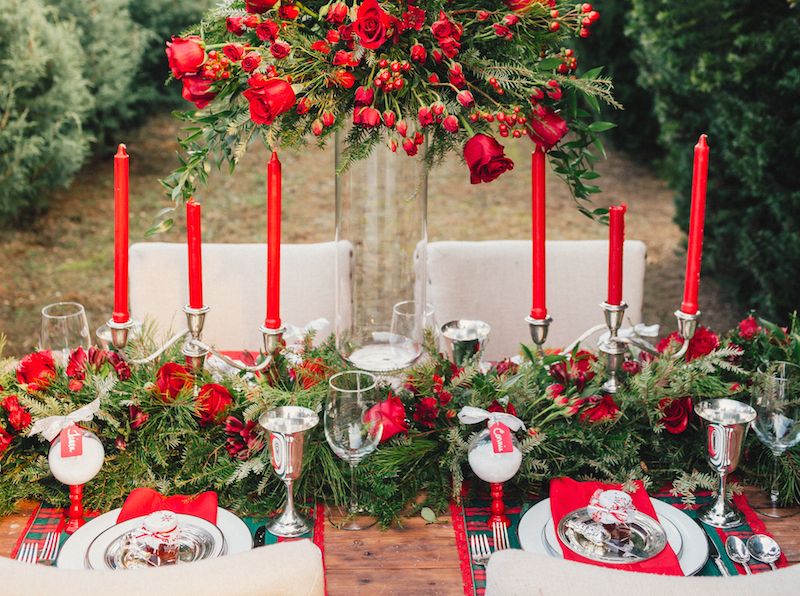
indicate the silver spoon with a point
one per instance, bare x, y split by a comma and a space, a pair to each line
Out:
737, 552
764, 549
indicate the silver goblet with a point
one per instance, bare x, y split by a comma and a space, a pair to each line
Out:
463, 339
287, 426
726, 422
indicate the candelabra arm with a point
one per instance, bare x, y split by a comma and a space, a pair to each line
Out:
230, 361
640, 343
583, 336
147, 359
680, 353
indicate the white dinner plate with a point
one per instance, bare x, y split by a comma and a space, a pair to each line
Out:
73, 552
691, 549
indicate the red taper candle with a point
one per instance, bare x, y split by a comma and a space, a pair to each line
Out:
694, 255
195, 243
273, 319
539, 292
616, 240
121, 313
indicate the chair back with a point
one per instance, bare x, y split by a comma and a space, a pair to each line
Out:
491, 281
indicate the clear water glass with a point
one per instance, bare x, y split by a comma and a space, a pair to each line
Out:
408, 328
64, 328
351, 432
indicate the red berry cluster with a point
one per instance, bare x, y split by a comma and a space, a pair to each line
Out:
496, 86
216, 67
585, 17
590, 18
513, 124
569, 64
390, 76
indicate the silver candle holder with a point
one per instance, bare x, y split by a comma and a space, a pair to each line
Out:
464, 339
539, 329
613, 349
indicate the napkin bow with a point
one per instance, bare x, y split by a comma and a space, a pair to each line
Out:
144, 501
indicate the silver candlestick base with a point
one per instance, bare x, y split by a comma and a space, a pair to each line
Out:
119, 332
539, 329
613, 349
687, 325
273, 338
193, 350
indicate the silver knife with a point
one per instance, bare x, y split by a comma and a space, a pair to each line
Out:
713, 551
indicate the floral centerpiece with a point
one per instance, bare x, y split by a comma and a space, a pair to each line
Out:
457, 75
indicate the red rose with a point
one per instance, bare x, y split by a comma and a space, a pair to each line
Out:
393, 415
364, 96
389, 118
280, 49
251, 21
5, 439
510, 20
496, 406
456, 75
234, 51
418, 53
267, 31
450, 46
185, 55
371, 24
631, 367
749, 328
321, 46
465, 98
235, 25
547, 128
414, 18
18, 417
288, 12
577, 369
702, 343
450, 124
336, 13
259, 6
426, 412
138, 418
77, 363
120, 366
366, 116
410, 147
342, 58
171, 379
603, 409
197, 90
425, 116
268, 99
251, 61
675, 414
212, 401
36, 370
506, 366
444, 28
485, 158
483, 15
344, 79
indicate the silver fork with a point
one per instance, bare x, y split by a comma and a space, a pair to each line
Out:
479, 545
28, 552
50, 547
500, 532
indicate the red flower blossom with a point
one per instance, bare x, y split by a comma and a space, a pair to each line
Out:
197, 90
36, 371
675, 414
344, 79
450, 124
425, 116
510, 20
486, 158
18, 417
393, 415
342, 58
506, 366
138, 418
444, 28
426, 411
234, 51
364, 96
631, 367
603, 409
502, 31
336, 13
288, 12
267, 31
413, 18
259, 6
749, 328
366, 116
280, 49
702, 343
321, 46
235, 25
547, 128
212, 401
418, 53
389, 118
120, 366
410, 147
171, 379
555, 391
269, 98
5, 439
450, 46
465, 98
250, 61
496, 406
185, 55
77, 364
371, 24
456, 75
244, 440
577, 370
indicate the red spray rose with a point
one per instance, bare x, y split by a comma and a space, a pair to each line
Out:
267, 31
321, 46
344, 79
268, 99
259, 6
250, 61
337, 13
171, 379
510, 20
234, 51
342, 58
456, 76
425, 116
244, 440
364, 96
185, 55
578, 369
604, 409
444, 28
486, 158
197, 90
555, 391
138, 418
5, 439
426, 412
547, 128
702, 343
280, 49
496, 406
450, 46
389, 118
393, 415
36, 370
465, 98
749, 328
77, 363
288, 12
410, 147
502, 31
632, 367
371, 24
418, 53
506, 366
18, 417
120, 366
212, 401
414, 18
251, 21
235, 25
675, 414
366, 116
450, 124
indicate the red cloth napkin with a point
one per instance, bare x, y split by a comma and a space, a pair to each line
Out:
144, 501
567, 495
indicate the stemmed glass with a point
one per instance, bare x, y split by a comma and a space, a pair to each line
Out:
408, 325
352, 433
64, 328
777, 401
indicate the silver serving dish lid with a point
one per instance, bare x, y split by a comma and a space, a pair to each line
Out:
113, 549
647, 539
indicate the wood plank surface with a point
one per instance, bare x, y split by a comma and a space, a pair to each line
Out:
418, 558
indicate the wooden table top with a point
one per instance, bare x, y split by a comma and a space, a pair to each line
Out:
418, 558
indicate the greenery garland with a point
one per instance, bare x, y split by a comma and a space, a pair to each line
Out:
178, 432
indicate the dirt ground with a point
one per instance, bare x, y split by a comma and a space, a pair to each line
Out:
68, 253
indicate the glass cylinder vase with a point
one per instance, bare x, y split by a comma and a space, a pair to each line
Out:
381, 257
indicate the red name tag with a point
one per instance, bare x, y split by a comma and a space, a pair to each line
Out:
71, 441
501, 438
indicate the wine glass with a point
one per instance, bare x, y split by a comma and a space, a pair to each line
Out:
352, 433
776, 393
408, 325
64, 328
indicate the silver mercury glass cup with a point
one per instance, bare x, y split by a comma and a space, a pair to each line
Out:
463, 339
726, 422
287, 426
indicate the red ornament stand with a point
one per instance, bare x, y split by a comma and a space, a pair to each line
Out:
497, 508
75, 514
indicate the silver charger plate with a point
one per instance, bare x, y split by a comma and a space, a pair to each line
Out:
647, 539
199, 539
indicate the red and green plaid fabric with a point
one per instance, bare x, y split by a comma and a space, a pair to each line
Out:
470, 519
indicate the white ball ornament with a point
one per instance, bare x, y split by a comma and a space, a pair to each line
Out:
77, 469
490, 466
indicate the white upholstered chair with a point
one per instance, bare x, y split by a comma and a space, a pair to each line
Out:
519, 573
491, 281
285, 568
234, 288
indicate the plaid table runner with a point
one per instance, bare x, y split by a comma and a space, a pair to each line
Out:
471, 518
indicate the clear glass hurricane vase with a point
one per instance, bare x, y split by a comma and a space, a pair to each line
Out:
381, 236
